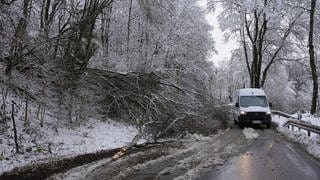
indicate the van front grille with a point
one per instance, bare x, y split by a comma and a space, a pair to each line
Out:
255, 115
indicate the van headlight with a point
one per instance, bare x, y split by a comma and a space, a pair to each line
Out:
268, 112
243, 113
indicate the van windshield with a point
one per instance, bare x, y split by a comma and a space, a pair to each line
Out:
246, 101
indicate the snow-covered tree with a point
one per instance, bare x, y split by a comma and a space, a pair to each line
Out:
263, 29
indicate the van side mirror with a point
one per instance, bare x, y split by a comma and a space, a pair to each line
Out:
237, 105
270, 104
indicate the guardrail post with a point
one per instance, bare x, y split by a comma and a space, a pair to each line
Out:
310, 128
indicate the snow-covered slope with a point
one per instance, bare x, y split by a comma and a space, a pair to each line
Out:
311, 144
56, 137
48, 143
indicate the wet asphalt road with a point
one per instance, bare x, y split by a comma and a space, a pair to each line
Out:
226, 156
270, 157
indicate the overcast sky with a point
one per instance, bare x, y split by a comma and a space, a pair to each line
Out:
224, 48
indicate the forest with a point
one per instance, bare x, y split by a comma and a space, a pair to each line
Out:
138, 62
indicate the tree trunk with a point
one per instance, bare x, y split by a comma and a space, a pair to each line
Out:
146, 48
26, 121
14, 129
128, 31
254, 68
43, 112
245, 49
70, 109
312, 60
105, 32
18, 39
141, 41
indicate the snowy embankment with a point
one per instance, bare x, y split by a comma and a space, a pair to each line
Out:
48, 143
311, 144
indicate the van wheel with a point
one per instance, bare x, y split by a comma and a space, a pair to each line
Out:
241, 125
268, 125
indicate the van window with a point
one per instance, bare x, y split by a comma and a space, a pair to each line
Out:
246, 101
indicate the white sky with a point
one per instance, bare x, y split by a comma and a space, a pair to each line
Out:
223, 47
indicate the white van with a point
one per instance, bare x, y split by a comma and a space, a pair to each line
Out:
251, 106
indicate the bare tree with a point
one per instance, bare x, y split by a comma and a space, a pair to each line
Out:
105, 29
81, 47
18, 43
48, 12
312, 59
262, 40
14, 127
128, 29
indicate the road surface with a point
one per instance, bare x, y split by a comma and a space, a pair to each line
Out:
261, 154
269, 157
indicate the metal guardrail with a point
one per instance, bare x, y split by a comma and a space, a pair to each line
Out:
302, 125
280, 113
293, 122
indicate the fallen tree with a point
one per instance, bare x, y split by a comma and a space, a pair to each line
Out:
47, 168
159, 104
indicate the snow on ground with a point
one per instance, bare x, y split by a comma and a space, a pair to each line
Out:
79, 173
279, 120
311, 144
196, 137
57, 138
250, 133
95, 135
311, 118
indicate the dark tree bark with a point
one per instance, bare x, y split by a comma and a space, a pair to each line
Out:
81, 47
17, 46
312, 60
26, 120
255, 29
146, 47
14, 129
245, 49
128, 30
49, 9
105, 29
254, 39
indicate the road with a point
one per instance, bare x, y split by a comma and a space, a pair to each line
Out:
231, 154
269, 157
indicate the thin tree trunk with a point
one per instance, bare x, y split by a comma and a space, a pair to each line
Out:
146, 47
43, 112
312, 60
38, 111
26, 121
70, 108
255, 53
128, 31
245, 49
105, 31
139, 64
18, 39
14, 129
